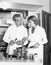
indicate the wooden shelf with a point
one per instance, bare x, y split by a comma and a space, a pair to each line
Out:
4, 25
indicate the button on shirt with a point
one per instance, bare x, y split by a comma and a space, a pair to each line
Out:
14, 32
39, 36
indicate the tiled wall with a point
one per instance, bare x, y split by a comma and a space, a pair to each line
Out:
2, 21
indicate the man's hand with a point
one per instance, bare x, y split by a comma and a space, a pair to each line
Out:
21, 42
11, 42
18, 42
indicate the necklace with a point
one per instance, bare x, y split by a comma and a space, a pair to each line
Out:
32, 30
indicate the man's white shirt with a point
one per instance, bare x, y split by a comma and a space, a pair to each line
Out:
14, 32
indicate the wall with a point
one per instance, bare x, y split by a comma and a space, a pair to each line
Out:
45, 3
50, 6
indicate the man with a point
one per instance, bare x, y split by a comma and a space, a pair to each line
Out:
15, 35
37, 36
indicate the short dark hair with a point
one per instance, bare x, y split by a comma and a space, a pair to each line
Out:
16, 15
33, 18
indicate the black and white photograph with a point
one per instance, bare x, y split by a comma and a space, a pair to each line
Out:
25, 32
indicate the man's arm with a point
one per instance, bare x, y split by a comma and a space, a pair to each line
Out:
6, 37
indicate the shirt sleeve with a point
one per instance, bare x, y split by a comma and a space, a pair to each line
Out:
44, 37
6, 36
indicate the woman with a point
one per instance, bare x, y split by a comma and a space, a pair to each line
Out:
37, 37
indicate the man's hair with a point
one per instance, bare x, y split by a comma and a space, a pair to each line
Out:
16, 15
33, 18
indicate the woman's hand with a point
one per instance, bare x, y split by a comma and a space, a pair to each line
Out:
36, 45
24, 39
